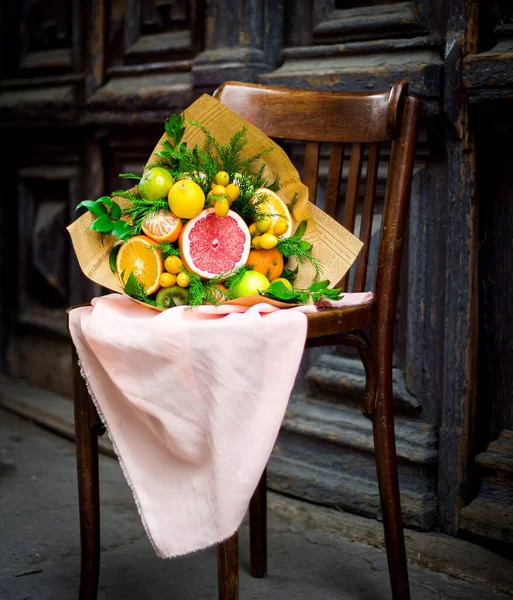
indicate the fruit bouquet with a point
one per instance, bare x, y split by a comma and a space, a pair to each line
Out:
218, 215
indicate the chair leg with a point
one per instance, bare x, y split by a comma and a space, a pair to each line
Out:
228, 568
258, 528
88, 487
386, 463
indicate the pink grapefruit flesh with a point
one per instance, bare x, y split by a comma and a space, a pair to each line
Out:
212, 245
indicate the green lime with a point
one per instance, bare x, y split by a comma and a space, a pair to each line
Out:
250, 284
155, 183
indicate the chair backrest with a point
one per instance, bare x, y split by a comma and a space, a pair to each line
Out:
364, 121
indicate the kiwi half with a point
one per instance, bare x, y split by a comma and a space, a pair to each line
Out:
171, 296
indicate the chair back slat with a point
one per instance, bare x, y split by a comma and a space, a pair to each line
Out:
353, 187
311, 170
334, 177
367, 216
364, 120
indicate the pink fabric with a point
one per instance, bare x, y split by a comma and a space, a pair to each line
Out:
193, 401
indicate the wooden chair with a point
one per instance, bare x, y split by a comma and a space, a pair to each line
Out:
367, 119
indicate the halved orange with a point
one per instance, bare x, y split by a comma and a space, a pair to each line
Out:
162, 226
274, 206
137, 256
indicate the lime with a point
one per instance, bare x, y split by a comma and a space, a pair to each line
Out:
263, 224
155, 183
250, 284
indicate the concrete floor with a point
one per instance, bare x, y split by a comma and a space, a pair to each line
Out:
39, 542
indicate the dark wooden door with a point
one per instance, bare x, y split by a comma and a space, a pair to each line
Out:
85, 89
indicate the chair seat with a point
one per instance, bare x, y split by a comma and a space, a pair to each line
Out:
333, 321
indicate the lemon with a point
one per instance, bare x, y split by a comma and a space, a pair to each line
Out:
222, 178
285, 282
173, 264
221, 207
268, 241
233, 191
280, 227
186, 199
167, 280
182, 279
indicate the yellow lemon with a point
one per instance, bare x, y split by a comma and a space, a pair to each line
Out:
186, 199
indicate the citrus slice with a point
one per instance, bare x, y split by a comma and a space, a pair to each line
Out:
211, 245
271, 204
138, 256
162, 226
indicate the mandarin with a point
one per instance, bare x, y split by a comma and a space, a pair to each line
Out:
267, 262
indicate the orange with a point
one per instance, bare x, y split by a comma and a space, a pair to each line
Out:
162, 226
186, 199
267, 262
273, 205
138, 256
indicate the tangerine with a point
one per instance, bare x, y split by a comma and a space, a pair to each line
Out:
162, 226
267, 262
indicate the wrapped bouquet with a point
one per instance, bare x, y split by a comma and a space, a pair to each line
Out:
218, 215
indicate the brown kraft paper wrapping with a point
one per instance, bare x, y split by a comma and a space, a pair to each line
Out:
333, 246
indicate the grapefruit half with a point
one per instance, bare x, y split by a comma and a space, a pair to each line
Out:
211, 245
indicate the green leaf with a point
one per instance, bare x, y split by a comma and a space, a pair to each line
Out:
320, 285
115, 210
300, 231
122, 229
98, 209
130, 176
86, 204
281, 292
289, 274
112, 257
102, 224
305, 246
131, 285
